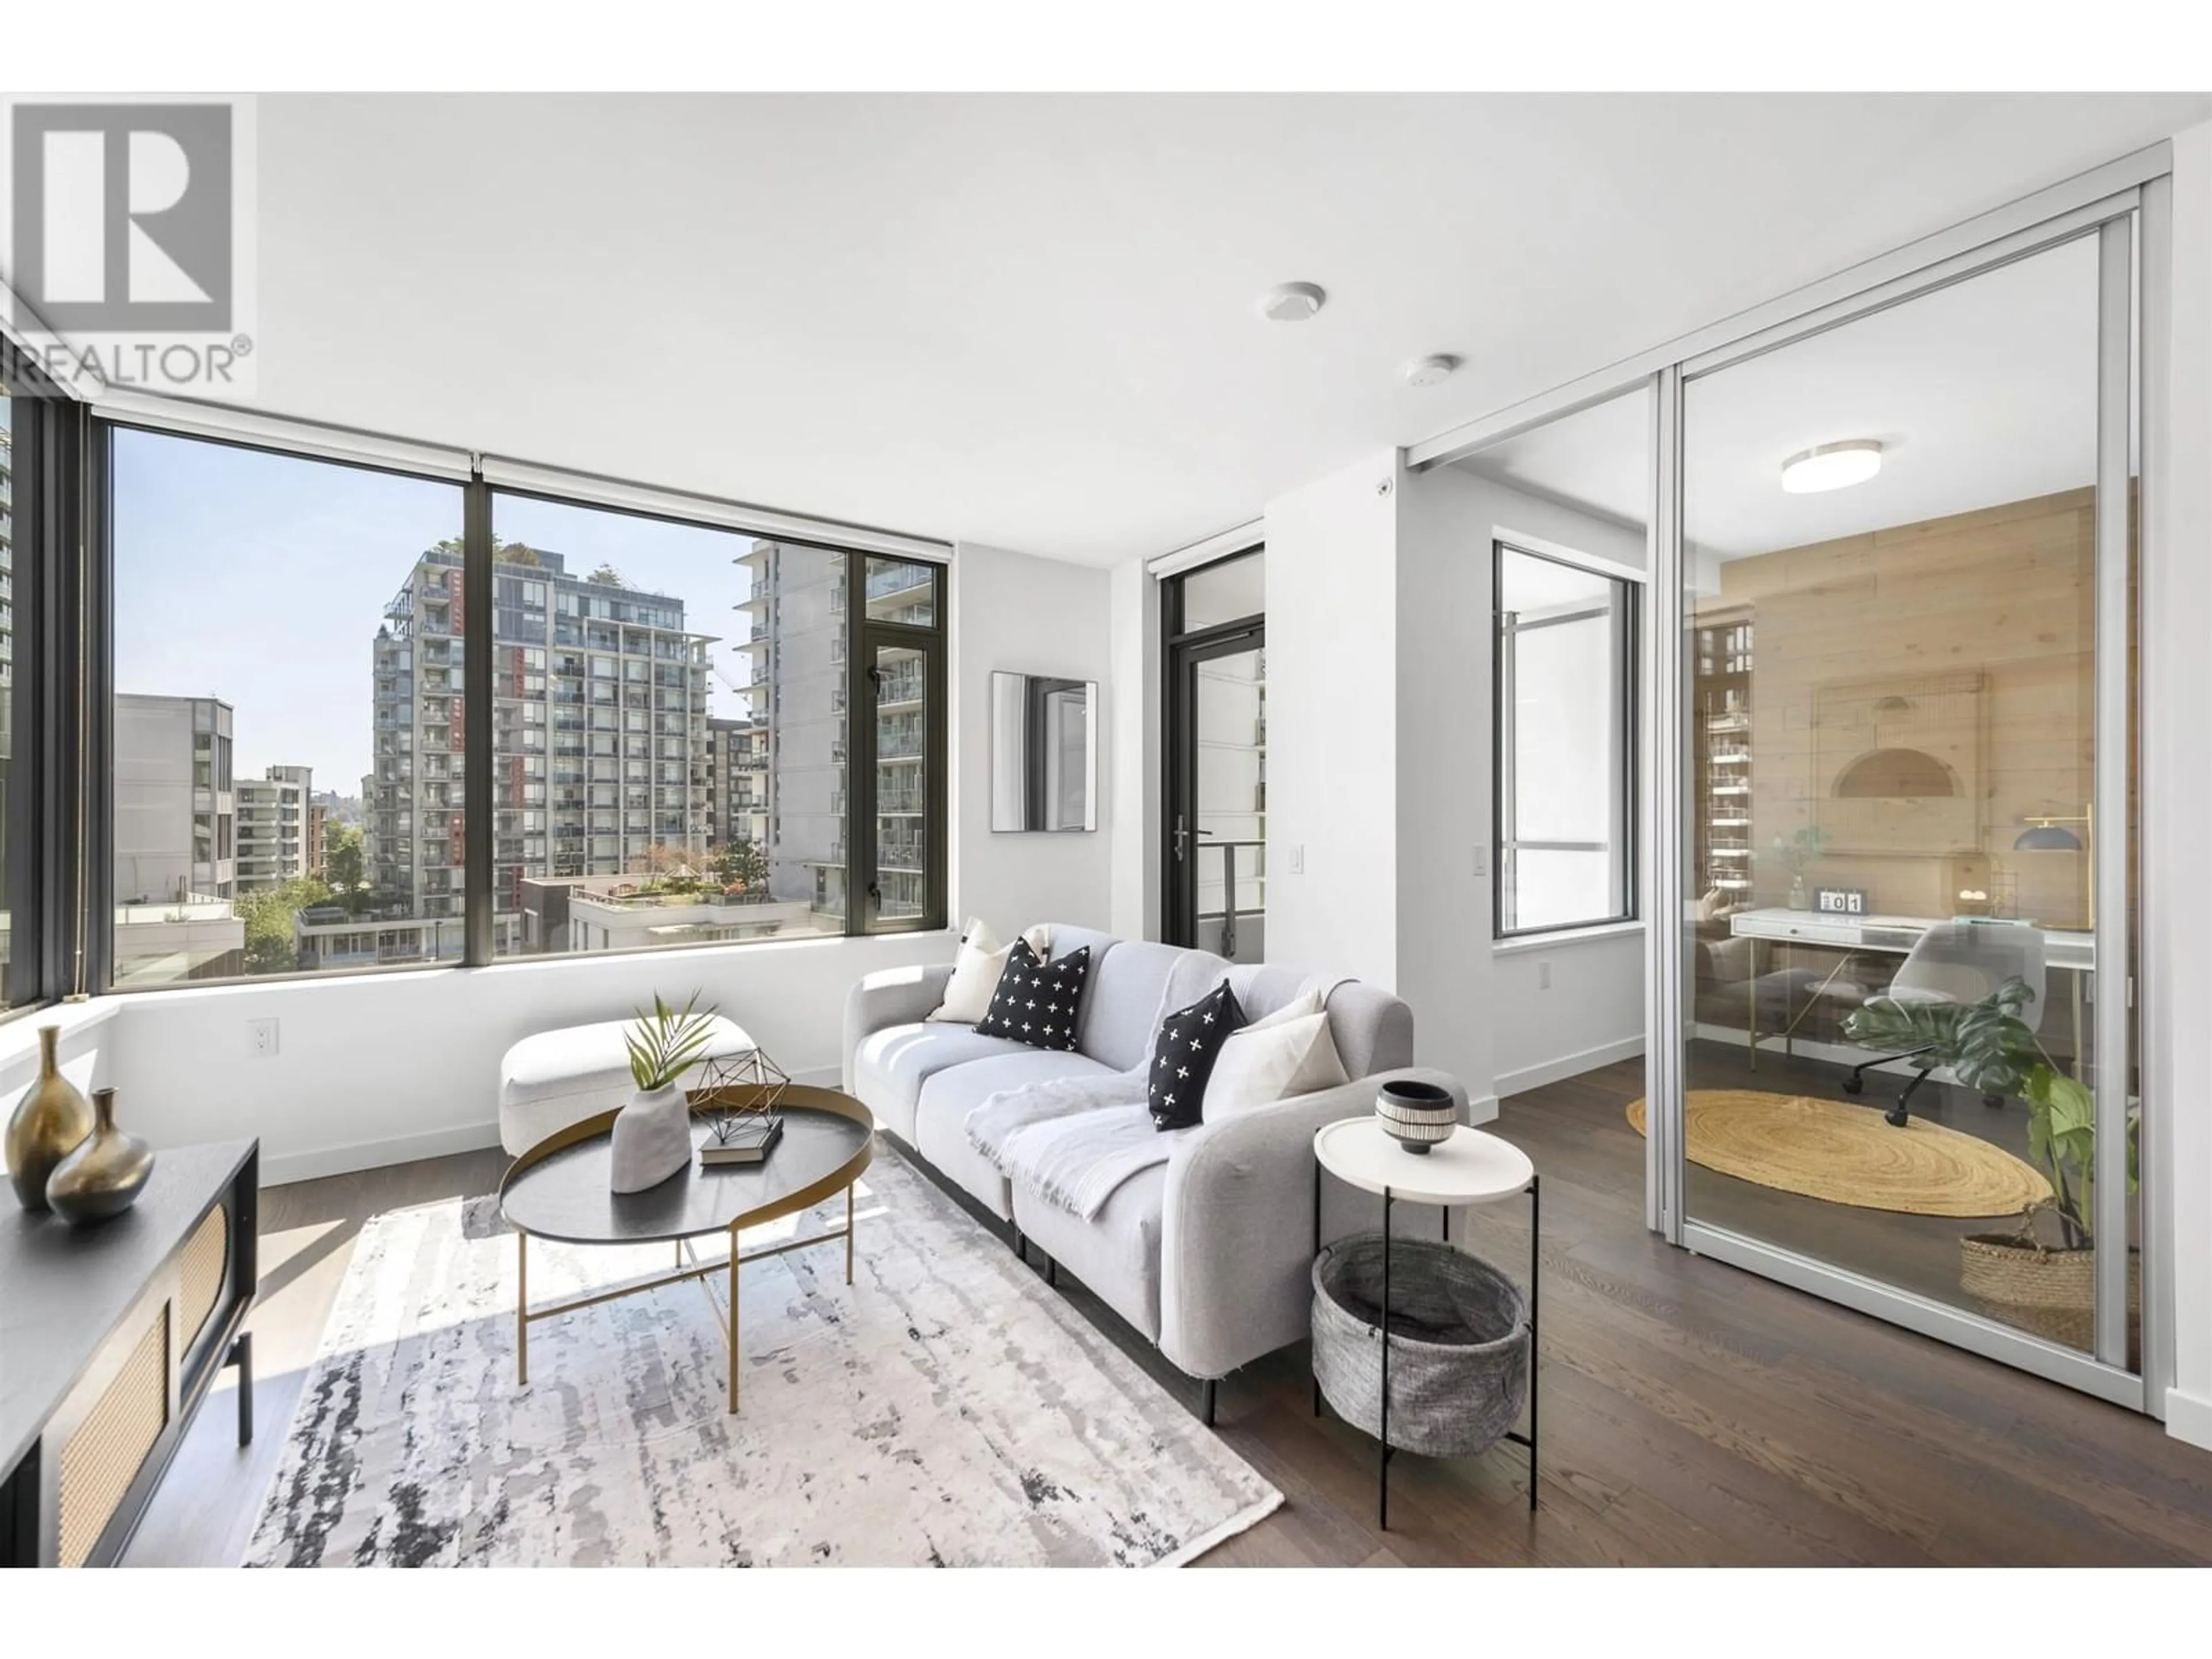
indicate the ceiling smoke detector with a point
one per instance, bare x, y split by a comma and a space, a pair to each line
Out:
1292, 303
1831, 467
1430, 370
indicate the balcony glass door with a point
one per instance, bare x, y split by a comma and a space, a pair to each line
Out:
1216, 885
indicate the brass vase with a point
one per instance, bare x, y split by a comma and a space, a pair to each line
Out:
49, 1124
104, 1175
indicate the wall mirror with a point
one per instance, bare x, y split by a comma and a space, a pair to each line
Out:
1044, 753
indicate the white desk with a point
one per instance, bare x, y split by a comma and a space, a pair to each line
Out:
2063, 948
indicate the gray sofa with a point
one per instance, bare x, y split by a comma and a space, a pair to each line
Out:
1209, 1255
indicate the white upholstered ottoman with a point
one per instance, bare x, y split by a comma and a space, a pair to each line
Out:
555, 1078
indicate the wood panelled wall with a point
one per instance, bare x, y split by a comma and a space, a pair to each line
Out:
1970, 638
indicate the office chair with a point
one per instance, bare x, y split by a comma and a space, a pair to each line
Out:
1958, 962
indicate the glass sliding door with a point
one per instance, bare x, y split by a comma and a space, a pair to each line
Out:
1902, 770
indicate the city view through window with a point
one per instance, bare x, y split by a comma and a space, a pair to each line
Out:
670, 729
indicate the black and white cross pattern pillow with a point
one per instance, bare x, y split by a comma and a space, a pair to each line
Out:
1037, 1002
1183, 1052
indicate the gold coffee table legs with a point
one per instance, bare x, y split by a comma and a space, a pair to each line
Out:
521, 1305
703, 1272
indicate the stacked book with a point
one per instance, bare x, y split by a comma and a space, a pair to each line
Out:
747, 1139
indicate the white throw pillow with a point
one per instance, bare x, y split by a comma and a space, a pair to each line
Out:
976, 972
1278, 1058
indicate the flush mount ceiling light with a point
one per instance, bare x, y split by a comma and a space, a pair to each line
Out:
1430, 370
1292, 303
1832, 466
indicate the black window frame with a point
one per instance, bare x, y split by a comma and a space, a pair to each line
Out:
51, 876
1627, 620
91, 467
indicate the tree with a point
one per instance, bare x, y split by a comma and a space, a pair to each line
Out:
346, 871
267, 913
661, 859
607, 576
741, 864
502, 552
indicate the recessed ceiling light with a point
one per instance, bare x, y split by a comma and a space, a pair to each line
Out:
1832, 466
1430, 370
1292, 303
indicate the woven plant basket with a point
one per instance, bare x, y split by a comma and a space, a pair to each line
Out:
2051, 1292
1459, 1344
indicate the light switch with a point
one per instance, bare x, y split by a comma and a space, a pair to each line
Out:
1297, 858
1481, 860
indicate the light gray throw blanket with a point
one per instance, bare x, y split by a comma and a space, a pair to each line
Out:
1074, 1141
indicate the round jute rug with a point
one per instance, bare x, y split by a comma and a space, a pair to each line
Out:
1844, 1154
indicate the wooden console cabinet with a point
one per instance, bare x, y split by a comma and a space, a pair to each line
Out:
110, 1338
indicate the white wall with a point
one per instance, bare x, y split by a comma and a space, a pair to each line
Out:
373, 1069
1025, 616
381, 1068
1379, 693
1481, 1012
1133, 751
1333, 723
1564, 1005
2177, 769
1443, 800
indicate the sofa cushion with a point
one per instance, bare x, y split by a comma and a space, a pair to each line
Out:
1038, 1003
1276, 1059
940, 1116
1372, 1029
1183, 1052
1137, 983
976, 968
940, 1136
1118, 1253
968, 1085
890, 1066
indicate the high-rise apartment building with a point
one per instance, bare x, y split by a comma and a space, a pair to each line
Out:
176, 808
795, 643
276, 839
598, 742
176, 828
7, 602
737, 781
798, 643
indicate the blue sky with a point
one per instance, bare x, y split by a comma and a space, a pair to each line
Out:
261, 579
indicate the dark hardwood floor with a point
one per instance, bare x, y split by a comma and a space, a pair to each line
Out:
1692, 1414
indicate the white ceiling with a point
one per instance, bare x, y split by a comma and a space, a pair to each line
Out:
1979, 393
1030, 321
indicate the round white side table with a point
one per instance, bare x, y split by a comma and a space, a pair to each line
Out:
1470, 1168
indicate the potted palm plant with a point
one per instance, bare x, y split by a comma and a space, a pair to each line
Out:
2049, 1287
653, 1132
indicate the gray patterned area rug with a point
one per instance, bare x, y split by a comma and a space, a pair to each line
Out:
946, 1409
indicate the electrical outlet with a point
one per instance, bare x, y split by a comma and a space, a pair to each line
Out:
1543, 976
261, 1038
1297, 858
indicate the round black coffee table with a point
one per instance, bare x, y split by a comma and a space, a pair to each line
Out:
559, 1189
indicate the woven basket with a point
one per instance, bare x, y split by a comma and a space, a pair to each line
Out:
2052, 1293
1459, 1344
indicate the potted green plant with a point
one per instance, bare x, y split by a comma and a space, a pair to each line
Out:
1807, 843
2050, 1288
653, 1131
